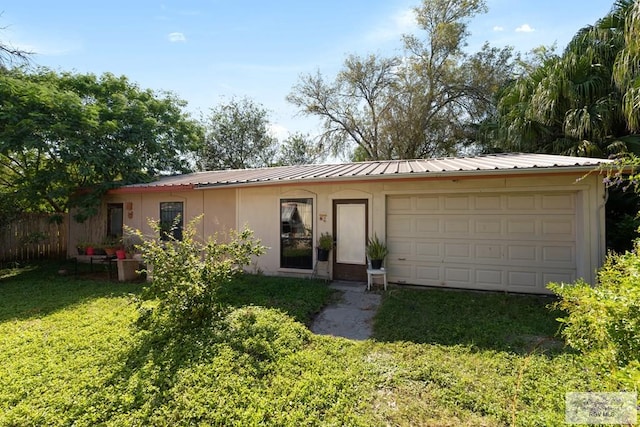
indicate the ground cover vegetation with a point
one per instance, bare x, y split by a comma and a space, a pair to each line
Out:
72, 351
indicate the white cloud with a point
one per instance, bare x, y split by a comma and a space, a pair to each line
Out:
405, 20
177, 37
525, 28
39, 44
498, 28
278, 131
402, 22
48, 48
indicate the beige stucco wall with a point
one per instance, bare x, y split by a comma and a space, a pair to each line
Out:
258, 207
218, 207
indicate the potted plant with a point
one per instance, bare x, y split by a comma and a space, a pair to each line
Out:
82, 248
121, 253
111, 245
325, 244
128, 247
376, 252
90, 249
96, 249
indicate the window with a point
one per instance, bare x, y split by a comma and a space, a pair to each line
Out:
114, 220
171, 220
296, 233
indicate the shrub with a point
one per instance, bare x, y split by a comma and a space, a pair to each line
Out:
188, 273
265, 334
603, 321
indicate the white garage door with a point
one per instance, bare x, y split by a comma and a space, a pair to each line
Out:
512, 242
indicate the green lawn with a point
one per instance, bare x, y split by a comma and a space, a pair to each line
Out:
69, 355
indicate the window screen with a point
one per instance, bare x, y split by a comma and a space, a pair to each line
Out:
171, 220
114, 220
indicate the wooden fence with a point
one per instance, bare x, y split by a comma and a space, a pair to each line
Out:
33, 236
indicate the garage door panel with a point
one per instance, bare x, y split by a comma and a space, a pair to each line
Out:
488, 226
492, 203
457, 203
536, 254
428, 250
430, 274
457, 250
521, 227
489, 241
559, 228
523, 279
489, 277
559, 254
521, 203
562, 203
401, 248
399, 203
400, 225
456, 225
403, 272
529, 227
522, 253
424, 226
488, 251
427, 203
457, 276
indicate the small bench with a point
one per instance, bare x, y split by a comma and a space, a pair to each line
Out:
373, 273
92, 260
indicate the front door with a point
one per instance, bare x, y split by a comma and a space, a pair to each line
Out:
350, 231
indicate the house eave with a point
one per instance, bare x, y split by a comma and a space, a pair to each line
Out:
150, 189
427, 176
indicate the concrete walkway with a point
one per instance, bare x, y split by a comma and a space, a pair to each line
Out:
352, 315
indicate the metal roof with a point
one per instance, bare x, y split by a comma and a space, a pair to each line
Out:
381, 169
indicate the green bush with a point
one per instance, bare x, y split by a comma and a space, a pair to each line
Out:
264, 334
603, 321
188, 273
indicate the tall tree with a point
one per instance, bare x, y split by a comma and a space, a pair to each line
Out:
626, 69
421, 105
574, 103
66, 138
298, 149
237, 136
10, 54
353, 106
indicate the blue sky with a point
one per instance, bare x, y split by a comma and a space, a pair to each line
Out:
209, 51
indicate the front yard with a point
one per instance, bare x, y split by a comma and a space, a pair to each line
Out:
69, 355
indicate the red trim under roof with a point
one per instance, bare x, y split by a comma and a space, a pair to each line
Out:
151, 189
